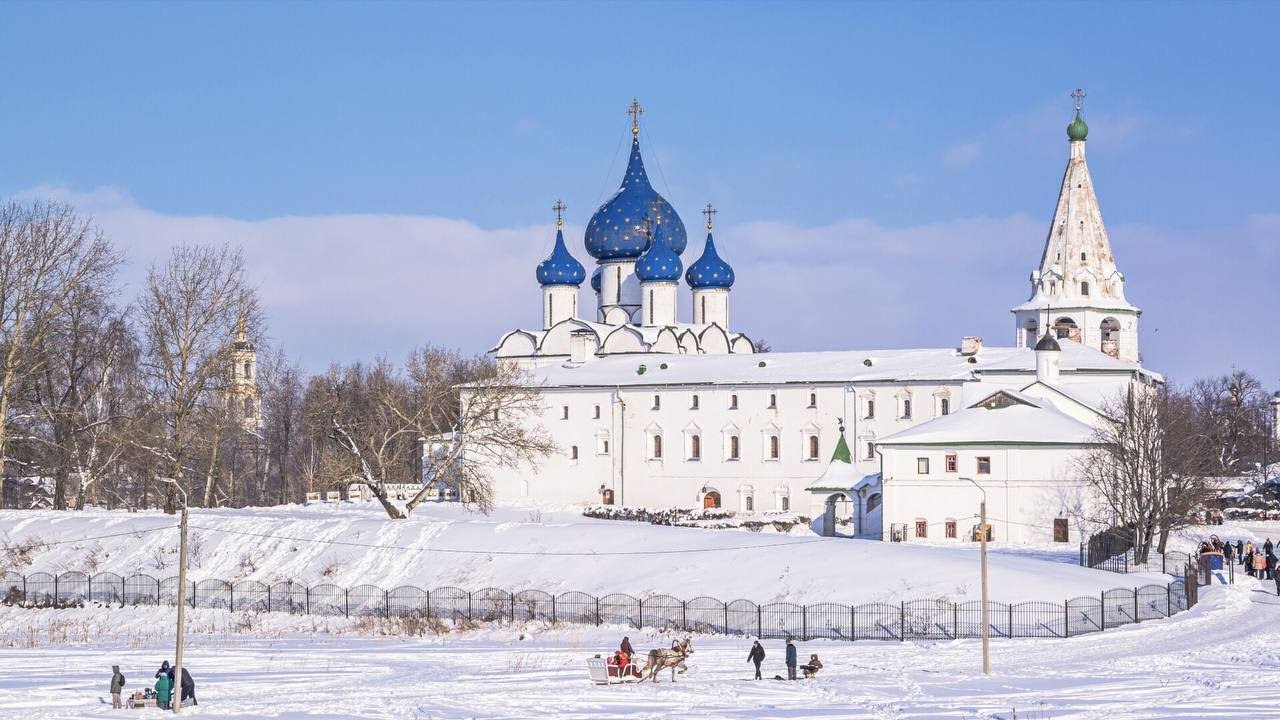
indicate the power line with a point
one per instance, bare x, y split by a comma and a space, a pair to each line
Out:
532, 553
111, 535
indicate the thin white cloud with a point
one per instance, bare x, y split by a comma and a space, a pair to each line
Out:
962, 155
347, 287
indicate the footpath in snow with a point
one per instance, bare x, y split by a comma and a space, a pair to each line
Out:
1219, 660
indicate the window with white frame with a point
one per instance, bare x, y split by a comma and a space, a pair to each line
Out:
773, 401
573, 453
871, 450
693, 403
944, 406
564, 412
922, 465
870, 404
657, 402
695, 447
602, 443
813, 400
906, 408
734, 449
773, 446
811, 446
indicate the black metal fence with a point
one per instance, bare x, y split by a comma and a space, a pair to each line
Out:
915, 619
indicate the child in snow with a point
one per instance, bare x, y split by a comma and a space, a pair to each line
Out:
756, 656
811, 670
117, 685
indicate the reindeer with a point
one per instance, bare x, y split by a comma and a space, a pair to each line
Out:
673, 658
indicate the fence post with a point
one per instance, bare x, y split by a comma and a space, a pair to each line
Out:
553, 609
955, 621
468, 607
24, 588
902, 621
269, 606
640, 613
157, 592
308, 591
428, 592
1136, 616
1066, 619
1103, 597
56, 599
386, 601
1009, 634
804, 623
90, 588
597, 611
513, 607
759, 620
1126, 563
725, 608
684, 615
231, 593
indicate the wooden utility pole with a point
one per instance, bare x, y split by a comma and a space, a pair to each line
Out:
176, 687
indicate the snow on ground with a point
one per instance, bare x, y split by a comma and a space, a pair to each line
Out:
726, 564
1219, 660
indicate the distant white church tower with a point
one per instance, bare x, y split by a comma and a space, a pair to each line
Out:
1078, 292
243, 393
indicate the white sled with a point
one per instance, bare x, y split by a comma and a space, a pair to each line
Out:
598, 670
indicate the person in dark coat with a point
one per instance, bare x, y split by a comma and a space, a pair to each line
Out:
626, 647
1227, 551
1267, 547
164, 669
811, 670
757, 654
188, 686
1240, 551
791, 660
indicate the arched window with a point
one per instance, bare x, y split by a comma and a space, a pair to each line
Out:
945, 406
733, 447
248, 407
657, 447
695, 447
1084, 288
573, 453
813, 400
693, 404
786, 503
750, 503
873, 502
774, 447
813, 447
1031, 333
248, 370
1066, 329
1110, 330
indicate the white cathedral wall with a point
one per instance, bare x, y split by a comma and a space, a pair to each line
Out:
1027, 488
629, 421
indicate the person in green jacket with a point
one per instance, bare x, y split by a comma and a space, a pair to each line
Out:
163, 691
117, 685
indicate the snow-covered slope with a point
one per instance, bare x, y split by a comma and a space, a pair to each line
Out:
520, 548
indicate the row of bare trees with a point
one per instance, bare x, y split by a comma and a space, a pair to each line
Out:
116, 404
1161, 452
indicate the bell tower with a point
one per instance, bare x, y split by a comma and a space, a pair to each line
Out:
242, 394
1077, 292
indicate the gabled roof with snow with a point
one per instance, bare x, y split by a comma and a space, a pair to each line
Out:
919, 365
1005, 417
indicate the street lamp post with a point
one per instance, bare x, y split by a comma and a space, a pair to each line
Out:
175, 688
986, 605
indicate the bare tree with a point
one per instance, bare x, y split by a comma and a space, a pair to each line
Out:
1148, 464
281, 387
1236, 408
189, 311
47, 254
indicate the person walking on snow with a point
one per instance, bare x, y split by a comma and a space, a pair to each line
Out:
117, 685
791, 660
1240, 550
1259, 565
757, 653
1267, 547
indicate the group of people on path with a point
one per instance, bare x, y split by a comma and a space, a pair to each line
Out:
1259, 561
756, 656
163, 690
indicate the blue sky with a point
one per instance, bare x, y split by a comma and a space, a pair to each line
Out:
935, 130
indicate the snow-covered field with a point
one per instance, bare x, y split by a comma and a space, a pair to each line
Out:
540, 549
1219, 660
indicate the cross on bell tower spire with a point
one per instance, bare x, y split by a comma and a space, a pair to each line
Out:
710, 212
1079, 96
559, 209
635, 111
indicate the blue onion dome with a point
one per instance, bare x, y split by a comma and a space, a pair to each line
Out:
709, 271
595, 278
617, 230
560, 267
659, 263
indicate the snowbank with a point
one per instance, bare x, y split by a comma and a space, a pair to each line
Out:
522, 548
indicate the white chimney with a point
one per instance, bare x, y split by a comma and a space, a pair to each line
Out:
580, 346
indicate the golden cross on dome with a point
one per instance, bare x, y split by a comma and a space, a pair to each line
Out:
710, 212
1079, 96
635, 111
559, 209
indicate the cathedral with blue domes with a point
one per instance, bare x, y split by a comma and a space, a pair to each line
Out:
650, 409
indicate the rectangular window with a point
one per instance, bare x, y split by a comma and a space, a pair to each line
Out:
1060, 531
951, 529
564, 412
693, 404
734, 447
922, 466
871, 451
813, 447
871, 409
773, 401
946, 406
984, 465
695, 447
813, 400
774, 447
657, 402
733, 402
597, 413
951, 462
573, 453
922, 529
602, 446
906, 408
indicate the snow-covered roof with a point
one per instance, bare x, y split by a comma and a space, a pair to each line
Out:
1019, 420
839, 477
914, 365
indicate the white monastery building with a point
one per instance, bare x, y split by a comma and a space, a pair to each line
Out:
648, 409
